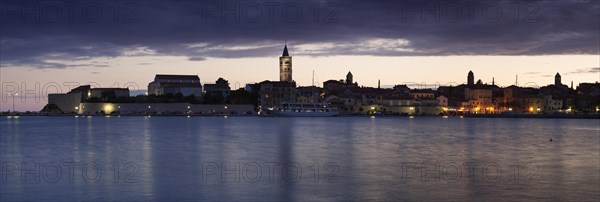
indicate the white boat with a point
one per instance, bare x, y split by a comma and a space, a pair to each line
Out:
299, 109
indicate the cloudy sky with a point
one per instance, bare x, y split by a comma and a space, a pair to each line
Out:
49, 46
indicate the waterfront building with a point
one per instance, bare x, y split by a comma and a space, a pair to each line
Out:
217, 89
422, 93
173, 84
309, 94
273, 93
399, 104
111, 108
70, 102
551, 105
442, 101
480, 99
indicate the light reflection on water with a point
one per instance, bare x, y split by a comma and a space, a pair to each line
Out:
299, 159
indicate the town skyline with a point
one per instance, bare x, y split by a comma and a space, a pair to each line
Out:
25, 103
28, 105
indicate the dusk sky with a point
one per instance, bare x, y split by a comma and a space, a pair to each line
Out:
125, 43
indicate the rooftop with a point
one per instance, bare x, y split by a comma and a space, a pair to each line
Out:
175, 77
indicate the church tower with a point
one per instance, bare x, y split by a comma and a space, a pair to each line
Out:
285, 66
557, 81
470, 78
349, 78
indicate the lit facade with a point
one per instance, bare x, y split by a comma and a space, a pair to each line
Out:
172, 84
273, 93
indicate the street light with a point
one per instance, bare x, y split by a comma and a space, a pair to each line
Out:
13, 95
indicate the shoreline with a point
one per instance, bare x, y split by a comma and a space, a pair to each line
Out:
547, 116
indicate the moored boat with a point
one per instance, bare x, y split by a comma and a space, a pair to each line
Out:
298, 109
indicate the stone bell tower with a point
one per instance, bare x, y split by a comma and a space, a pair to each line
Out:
285, 66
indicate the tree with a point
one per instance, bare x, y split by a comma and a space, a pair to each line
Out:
222, 81
178, 97
191, 99
213, 99
51, 108
241, 96
108, 95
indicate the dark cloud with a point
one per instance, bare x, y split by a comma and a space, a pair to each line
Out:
201, 29
592, 70
196, 58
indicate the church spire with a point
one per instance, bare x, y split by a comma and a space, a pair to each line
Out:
285, 51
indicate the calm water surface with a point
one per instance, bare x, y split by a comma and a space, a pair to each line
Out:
298, 159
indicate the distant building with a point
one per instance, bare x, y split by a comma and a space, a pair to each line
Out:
442, 101
172, 84
70, 102
401, 89
333, 86
398, 104
479, 98
285, 66
217, 89
339, 86
273, 93
422, 94
589, 89
557, 80
105, 94
309, 94
552, 105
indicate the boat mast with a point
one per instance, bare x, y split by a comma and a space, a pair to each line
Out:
312, 86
